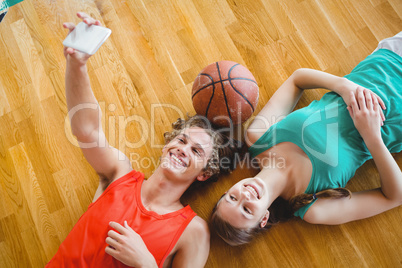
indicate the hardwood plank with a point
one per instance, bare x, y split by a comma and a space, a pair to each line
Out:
40, 165
13, 250
36, 253
30, 56
35, 204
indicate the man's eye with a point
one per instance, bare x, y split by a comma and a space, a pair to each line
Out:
233, 198
180, 140
197, 152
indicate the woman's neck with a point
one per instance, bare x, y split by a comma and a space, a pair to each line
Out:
286, 169
279, 182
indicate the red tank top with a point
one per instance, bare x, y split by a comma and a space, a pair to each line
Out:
85, 244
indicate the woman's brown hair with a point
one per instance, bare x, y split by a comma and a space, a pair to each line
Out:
280, 211
301, 200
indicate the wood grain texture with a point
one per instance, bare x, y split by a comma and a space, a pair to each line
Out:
142, 77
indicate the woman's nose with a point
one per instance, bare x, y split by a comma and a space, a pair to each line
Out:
246, 194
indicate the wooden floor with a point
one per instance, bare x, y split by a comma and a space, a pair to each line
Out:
142, 77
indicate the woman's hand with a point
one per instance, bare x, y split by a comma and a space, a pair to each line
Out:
127, 246
72, 54
366, 114
347, 87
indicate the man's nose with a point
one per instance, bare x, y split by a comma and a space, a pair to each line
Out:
183, 150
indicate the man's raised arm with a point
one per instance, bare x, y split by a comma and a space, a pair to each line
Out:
85, 116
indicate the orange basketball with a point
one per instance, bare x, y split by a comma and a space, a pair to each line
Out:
226, 93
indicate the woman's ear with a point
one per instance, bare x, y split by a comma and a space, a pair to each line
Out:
264, 219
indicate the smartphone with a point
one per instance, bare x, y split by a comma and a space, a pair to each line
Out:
87, 39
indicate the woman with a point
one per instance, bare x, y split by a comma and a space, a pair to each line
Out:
306, 157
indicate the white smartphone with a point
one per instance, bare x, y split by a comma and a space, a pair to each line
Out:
87, 39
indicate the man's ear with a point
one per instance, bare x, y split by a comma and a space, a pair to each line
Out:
264, 219
202, 177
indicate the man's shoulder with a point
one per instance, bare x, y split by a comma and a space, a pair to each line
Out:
198, 224
127, 175
196, 230
193, 246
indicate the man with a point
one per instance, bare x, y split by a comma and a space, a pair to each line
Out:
166, 233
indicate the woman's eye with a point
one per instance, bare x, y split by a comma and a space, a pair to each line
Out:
196, 152
233, 198
180, 140
247, 210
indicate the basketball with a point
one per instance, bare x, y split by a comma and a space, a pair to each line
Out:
226, 93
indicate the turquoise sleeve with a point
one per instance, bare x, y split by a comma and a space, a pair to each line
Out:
301, 211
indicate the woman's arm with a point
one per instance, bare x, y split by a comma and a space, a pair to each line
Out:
309, 79
279, 105
286, 97
367, 119
288, 94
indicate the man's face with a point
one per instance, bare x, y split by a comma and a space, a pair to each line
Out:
187, 154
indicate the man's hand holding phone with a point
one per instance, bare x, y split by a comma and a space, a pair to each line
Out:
84, 39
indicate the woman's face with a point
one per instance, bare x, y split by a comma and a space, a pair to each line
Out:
245, 204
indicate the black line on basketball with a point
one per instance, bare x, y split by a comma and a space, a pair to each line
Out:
238, 92
210, 100
223, 90
224, 80
242, 78
210, 77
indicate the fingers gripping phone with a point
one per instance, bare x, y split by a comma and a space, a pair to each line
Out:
87, 39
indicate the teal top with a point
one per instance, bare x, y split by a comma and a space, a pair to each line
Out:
325, 131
